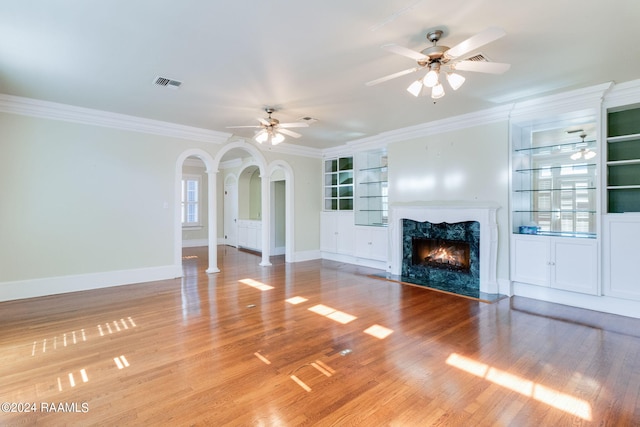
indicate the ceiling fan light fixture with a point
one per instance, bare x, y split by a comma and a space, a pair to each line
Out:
277, 138
576, 155
589, 154
261, 136
415, 88
455, 80
437, 91
431, 79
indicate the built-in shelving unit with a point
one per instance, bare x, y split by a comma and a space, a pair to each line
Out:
554, 180
371, 188
623, 160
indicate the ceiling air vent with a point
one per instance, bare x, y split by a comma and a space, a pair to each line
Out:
479, 57
170, 83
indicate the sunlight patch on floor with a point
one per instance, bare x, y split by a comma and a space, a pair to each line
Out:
378, 331
255, 284
296, 300
551, 397
332, 313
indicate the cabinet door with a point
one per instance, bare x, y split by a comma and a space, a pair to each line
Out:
362, 242
575, 265
621, 237
328, 231
345, 233
530, 259
379, 243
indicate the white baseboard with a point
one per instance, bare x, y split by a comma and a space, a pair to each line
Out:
194, 243
504, 287
301, 256
83, 282
605, 304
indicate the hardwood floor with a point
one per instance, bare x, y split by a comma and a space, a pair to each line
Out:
234, 348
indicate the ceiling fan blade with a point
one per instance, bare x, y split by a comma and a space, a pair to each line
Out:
474, 42
482, 67
392, 76
289, 132
293, 125
240, 127
400, 50
264, 121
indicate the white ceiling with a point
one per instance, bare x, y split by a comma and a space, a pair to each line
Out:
304, 58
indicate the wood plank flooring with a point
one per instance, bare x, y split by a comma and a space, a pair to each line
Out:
311, 343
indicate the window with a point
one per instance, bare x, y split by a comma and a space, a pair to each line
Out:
190, 200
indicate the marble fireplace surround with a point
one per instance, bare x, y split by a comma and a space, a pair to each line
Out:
450, 212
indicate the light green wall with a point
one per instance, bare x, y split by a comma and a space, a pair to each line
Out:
80, 199
468, 165
255, 196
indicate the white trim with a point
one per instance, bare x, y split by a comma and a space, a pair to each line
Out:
626, 93
381, 140
605, 304
301, 256
88, 116
195, 243
211, 216
83, 282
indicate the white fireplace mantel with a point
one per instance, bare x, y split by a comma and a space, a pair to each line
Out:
450, 212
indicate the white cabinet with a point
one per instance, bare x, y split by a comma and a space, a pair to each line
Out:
565, 263
621, 237
371, 243
530, 260
250, 234
337, 232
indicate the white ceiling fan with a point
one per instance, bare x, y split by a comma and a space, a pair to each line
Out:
271, 130
442, 58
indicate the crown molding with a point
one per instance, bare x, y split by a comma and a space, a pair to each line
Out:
562, 103
623, 94
88, 116
449, 124
284, 148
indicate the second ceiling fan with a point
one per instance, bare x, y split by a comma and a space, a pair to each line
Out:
448, 60
271, 130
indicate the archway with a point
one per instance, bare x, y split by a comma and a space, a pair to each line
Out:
276, 167
210, 170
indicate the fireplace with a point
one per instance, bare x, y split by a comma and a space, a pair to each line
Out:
473, 223
442, 253
452, 255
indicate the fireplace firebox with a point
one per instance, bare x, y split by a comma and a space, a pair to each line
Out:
452, 255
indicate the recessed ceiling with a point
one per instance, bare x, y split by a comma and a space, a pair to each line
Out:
307, 60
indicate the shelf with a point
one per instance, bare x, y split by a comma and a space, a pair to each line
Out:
622, 138
376, 168
555, 189
623, 187
557, 211
579, 144
623, 162
580, 165
560, 234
